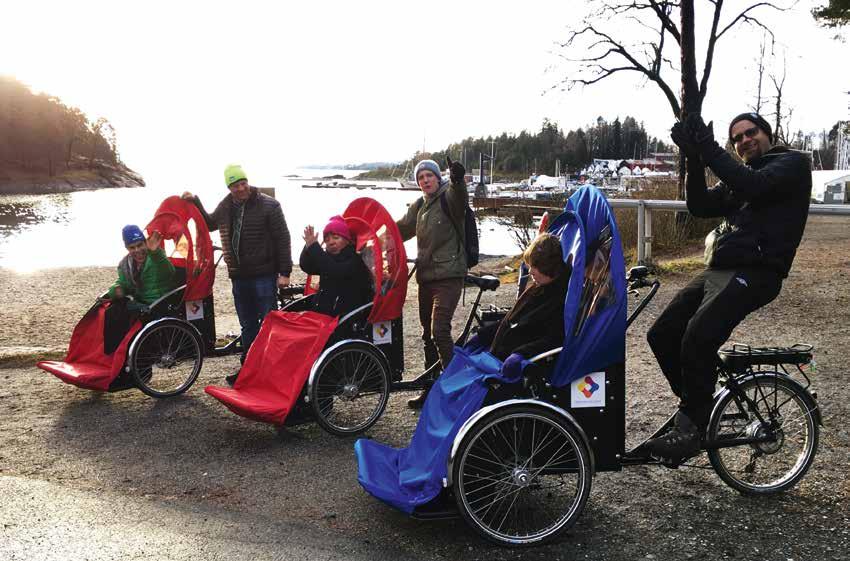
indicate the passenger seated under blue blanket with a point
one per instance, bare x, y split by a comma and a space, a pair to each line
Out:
345, 282
535, 323
412, 476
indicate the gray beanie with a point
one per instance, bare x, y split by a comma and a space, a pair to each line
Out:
429, 165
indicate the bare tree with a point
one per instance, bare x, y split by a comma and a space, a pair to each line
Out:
602, 53
779, 130
760, 69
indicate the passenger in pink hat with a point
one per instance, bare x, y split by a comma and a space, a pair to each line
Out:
345, 282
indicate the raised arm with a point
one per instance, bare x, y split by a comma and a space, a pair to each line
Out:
779, 179
314, 261
782, 175
210, 219
702, 201
457, 195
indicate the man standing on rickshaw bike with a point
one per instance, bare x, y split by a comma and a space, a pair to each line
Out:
764, 204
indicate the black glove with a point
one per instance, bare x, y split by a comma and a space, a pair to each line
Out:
683, 140
456, 170
699, 132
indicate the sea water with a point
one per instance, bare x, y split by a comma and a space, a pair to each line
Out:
84, 228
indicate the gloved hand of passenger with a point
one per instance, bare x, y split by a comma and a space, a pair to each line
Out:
513, 366
456, 170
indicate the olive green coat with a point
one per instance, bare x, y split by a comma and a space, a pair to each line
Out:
439, 238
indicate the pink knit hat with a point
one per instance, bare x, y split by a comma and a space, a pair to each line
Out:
337, 226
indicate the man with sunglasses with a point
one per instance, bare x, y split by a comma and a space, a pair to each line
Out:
764, 203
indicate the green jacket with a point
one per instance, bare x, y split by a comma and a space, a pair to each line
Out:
439, 238
157, 277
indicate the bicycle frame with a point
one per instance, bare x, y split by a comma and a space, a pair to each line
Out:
430, 373
732, 379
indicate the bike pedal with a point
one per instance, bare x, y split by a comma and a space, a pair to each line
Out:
671, 463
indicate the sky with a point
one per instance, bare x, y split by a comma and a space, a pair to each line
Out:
191, 86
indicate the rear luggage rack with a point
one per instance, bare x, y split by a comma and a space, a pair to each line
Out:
739, 356
744, 358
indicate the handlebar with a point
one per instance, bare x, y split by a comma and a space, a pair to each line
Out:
634, 285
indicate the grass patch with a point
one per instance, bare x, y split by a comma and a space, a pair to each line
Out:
680, 266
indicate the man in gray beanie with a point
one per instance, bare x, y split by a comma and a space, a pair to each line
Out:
436, 220
764, 203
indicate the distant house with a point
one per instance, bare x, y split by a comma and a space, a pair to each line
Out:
831, 186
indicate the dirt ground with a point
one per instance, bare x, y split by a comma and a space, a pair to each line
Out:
191, 449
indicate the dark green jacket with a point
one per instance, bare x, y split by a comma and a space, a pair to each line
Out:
156, 279
439, 238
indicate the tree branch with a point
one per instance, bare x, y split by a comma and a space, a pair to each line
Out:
601, 71
749, 19
709, 56
663, 13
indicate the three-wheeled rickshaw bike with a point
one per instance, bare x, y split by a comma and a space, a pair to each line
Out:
515, 457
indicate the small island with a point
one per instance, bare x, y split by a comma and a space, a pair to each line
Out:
49, 147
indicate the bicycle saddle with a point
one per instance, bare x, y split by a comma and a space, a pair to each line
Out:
486, 282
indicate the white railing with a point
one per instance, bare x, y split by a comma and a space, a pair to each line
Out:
644, 218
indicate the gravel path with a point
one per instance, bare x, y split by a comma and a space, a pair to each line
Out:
192, 451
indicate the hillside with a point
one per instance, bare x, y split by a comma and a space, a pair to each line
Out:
49, 147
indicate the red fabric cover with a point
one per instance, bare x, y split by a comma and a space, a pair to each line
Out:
172, 220
277, 366
376, 230
85, 365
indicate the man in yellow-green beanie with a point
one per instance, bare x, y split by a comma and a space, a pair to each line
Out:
256, 247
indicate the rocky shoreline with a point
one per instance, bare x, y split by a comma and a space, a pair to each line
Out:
100, 176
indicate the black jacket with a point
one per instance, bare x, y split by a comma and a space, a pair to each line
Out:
345, 282
764, 203
534, 325
264, 246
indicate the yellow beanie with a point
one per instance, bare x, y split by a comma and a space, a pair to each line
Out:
233, 173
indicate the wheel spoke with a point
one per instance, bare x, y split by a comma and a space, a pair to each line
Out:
166, 360
503, 482
787, 433
350, 391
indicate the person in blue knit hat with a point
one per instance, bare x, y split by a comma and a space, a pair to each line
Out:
145, 273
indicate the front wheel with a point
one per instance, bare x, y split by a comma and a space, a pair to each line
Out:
350, 390
788, 424
166, 358
522, 476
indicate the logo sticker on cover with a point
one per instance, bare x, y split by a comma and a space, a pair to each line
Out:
382, 332
194, 310
588, 391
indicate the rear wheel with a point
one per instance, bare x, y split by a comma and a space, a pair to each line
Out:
522, 476
167, 358
350, 390
788, 424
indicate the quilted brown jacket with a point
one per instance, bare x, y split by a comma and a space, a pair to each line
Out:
264, 246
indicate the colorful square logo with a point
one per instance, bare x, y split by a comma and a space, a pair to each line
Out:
588, 391
382, 332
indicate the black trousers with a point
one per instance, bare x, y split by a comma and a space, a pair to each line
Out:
687, 335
